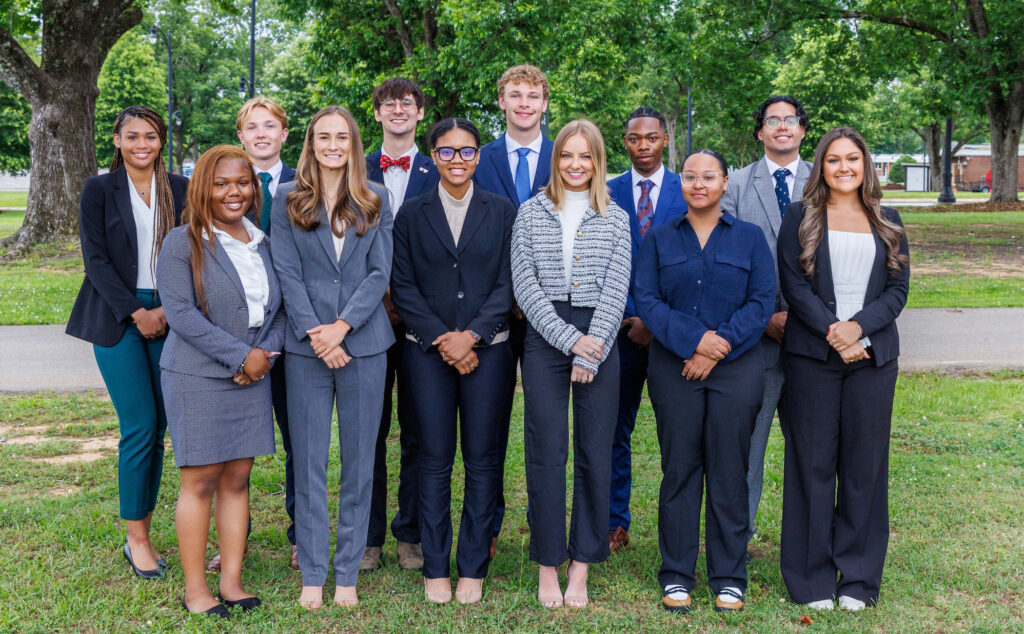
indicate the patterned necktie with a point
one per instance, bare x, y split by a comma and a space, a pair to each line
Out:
268, 202
523, 175
645, 207
386, 162
781, 189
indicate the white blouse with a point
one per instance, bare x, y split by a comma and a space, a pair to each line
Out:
573, 208
852, 255
248, 263
339, 243
145, 219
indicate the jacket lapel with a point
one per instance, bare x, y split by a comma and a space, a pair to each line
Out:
803, 170
323, 232
671, 192
475, 215
434, 212
123, 202
421, 167
220, 256
504, 170
764, 183
543, 175
823, 269
373, 171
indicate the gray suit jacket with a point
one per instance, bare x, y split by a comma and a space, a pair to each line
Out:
213, 346
750, 197
319, 289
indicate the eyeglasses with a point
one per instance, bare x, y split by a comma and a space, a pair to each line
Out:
391, 104
467, 153
707, 179
792, 121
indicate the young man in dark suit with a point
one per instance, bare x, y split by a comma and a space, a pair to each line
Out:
759, 193
406, 173
651, 195
516, 165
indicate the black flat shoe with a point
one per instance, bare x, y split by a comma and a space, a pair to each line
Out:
217, 610
156, 573
161, 563
248, 603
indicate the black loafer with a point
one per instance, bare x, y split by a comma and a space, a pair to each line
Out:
217, 610
247, 604
156, 573
161, 563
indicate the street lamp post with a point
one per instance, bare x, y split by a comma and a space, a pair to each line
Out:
153, 32
947, 166
252, 49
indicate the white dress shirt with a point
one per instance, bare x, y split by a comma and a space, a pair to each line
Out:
852, 256
656, 178
145, 219
275, 176
532, 159
249, 265
792, 167
396, 179
573, 208
339, 243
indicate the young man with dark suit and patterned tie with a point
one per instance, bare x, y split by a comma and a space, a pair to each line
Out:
651, 195
516, 165
759, 193
406, 173
262, 127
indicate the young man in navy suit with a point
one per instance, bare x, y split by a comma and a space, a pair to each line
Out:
651, 195
516, 165
406, 173
262, 127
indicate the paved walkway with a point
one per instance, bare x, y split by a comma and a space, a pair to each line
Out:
44, 358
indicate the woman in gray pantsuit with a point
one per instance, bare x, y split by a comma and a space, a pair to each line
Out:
332, 236
223, 306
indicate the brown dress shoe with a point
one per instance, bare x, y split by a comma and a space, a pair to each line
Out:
214, 565
295, 557
494, 547
410, 556
618, 539
371, 559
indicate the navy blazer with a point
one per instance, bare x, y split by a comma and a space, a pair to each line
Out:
493, 173
670, 204
438, 286
106, 226
422, 174
321, 289
212, 344
812, 299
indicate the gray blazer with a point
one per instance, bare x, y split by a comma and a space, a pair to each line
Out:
319, 289
213, 346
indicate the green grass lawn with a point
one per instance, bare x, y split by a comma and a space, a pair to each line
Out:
954, 561
13, 199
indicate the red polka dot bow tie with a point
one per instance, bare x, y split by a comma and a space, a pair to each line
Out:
386, 162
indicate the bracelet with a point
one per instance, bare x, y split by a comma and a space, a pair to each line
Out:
241, 368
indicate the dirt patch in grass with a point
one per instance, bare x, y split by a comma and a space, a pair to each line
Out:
987, 270
82, 450
29, 439
63, 491
975, 207
89, 456
9, 430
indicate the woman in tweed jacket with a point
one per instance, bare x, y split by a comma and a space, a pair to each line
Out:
570, 274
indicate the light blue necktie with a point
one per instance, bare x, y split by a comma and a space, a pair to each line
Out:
523, 175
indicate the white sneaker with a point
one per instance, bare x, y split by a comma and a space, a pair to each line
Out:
851, 604
824, 604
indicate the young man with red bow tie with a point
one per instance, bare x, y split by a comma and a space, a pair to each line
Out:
405, 173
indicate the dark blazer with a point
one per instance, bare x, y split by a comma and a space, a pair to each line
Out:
320, 289
670, 204
438, 286
494, 174
217, 344
106, 226
812, 300
422, 174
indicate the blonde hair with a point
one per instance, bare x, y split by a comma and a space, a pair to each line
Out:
555, 189
524, 74
259, 101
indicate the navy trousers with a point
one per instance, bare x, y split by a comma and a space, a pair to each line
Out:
279, 393
632, 375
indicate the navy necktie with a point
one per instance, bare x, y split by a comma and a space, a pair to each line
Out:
268, 201
781, 189
523, 175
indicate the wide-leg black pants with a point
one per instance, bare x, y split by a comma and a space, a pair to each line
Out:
836, 420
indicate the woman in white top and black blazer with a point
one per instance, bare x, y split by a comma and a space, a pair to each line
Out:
844, 271
571, 252
331, 236
122, 220
452, 286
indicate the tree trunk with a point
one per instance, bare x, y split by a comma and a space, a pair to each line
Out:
935, 139
1004, 120
671, 126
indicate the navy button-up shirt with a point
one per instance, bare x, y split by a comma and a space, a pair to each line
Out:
682, 291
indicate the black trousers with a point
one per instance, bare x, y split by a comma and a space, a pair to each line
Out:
449, 405
546, 387
516, 337
836, 420
405, 526
704, 430
280, 400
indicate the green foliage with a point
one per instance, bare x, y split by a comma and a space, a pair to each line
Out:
15, 116
131, 76
290, 84
898, 173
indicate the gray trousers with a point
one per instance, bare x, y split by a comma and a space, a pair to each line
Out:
763, 426
357, 390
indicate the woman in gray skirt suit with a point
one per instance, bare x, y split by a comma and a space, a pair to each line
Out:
223, 306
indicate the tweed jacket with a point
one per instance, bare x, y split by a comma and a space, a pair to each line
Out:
600, 272
216, 345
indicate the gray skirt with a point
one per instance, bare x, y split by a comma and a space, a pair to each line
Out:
214, 420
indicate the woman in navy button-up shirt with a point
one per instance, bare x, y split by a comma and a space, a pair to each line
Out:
705, 287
